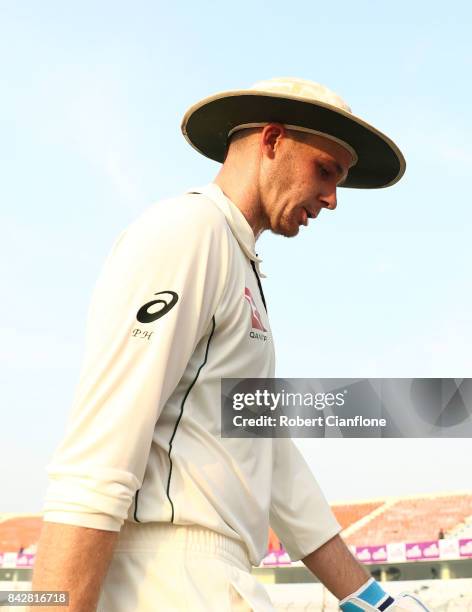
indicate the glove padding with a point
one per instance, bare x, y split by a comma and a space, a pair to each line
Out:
371, 597
406, 602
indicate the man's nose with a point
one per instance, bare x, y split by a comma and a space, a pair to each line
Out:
330, 200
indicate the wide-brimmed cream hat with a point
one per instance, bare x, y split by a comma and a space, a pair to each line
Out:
299, 105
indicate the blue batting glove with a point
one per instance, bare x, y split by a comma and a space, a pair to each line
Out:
371, 597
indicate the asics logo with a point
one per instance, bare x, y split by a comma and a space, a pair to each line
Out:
148, 312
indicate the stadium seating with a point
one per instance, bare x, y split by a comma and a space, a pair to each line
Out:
348, 514
19, 532
414, 519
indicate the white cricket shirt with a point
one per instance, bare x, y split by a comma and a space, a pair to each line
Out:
176, 309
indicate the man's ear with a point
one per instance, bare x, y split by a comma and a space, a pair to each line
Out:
271, 136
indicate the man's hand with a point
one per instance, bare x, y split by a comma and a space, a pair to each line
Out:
349, 581
73, 559
371, 597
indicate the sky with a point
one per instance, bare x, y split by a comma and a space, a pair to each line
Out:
91, 99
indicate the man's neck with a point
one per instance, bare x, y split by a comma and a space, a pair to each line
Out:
244, 196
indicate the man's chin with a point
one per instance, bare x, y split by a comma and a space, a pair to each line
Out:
288, 232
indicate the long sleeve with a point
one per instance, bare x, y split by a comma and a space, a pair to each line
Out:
299, 512
152, 304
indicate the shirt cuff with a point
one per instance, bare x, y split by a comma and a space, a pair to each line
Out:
99, 499
78, 519
320, 537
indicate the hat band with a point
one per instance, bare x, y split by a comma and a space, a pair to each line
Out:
297, 128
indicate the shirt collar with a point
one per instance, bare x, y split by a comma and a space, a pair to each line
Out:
240, 228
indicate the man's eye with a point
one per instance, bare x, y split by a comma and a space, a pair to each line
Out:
325, 173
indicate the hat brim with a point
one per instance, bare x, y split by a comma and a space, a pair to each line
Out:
206, 126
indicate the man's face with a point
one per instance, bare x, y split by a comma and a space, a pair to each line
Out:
298, 177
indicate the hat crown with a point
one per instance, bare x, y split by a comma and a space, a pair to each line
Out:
301, 88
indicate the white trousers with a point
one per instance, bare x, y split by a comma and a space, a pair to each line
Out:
160, 567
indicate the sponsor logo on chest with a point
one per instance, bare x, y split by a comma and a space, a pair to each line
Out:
258, 330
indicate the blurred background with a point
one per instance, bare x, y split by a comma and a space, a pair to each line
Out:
91, 99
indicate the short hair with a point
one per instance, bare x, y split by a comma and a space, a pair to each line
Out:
239, 136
